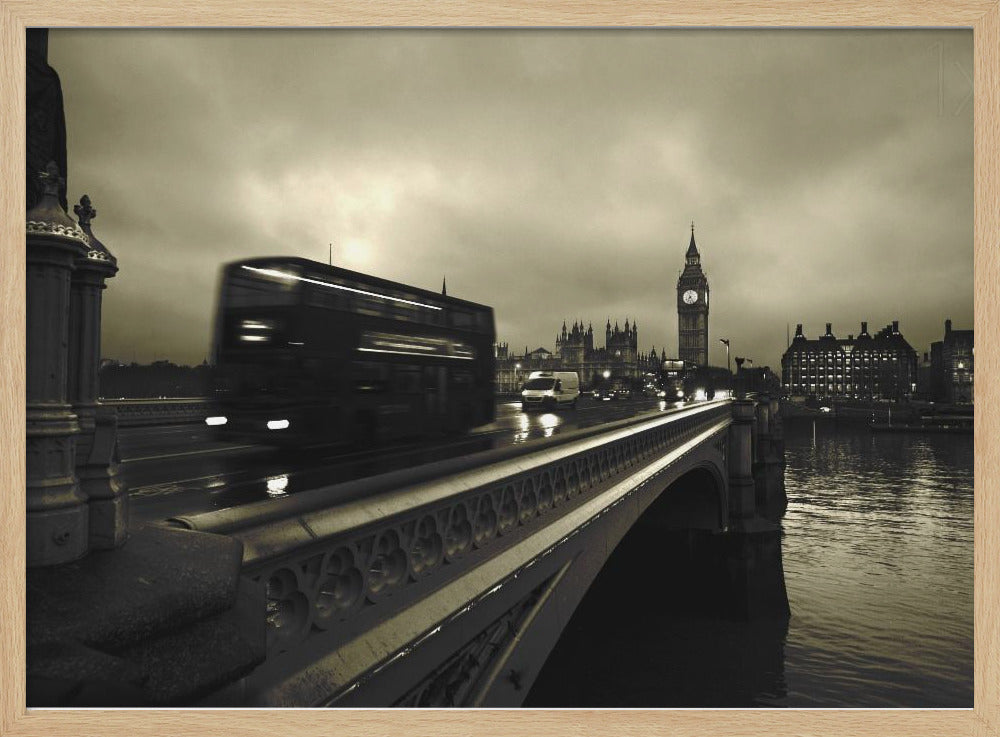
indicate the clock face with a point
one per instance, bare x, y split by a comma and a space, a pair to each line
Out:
690, 297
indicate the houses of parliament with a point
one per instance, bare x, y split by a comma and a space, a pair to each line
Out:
619, 359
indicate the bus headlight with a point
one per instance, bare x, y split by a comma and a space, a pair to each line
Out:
216, 420
277, 424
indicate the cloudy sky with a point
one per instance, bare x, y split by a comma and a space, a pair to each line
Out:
550, 174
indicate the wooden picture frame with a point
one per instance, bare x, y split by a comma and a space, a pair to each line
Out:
983, 16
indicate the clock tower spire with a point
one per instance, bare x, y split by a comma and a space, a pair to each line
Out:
692, 308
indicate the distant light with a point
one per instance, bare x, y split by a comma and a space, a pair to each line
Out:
216, 420
254, 338
607, 374
277, 424
285, 275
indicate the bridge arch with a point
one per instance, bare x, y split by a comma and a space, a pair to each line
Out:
666, 562
695, 500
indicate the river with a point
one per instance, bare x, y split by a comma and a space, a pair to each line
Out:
877, 550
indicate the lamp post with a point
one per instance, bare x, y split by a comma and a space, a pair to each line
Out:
725, 341
517, 376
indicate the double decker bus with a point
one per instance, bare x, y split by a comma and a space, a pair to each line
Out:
307, 353
672, 373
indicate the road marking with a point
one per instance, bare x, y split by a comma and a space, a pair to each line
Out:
189, 453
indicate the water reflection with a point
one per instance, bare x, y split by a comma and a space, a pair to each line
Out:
878, 566
529, 427
549, 422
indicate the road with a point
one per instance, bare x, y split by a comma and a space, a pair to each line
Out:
177, 469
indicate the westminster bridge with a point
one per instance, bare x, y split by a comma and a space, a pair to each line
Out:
442, 584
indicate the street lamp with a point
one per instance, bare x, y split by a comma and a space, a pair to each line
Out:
517, 376
725, 341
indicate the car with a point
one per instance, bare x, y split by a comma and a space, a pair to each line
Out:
550, 389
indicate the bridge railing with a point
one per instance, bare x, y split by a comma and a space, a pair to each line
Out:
159, 411
334, 570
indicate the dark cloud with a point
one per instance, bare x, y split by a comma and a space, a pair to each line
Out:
550, 174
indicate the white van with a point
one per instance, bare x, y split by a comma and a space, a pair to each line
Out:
548, 389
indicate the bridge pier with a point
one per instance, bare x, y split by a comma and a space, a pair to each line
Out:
751, 547
768, 466
742, 490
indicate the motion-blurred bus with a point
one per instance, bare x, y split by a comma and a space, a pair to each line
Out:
307, 353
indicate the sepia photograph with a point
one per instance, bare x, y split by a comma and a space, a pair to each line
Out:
500, 368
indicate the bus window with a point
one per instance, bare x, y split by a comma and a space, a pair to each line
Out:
254, 291
460, 318
483, 321
406, 379
370, 377
461, 379
415, 345
330, 299
257, 332
368, 306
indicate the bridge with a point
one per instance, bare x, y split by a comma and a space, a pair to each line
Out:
444, 584
450, 584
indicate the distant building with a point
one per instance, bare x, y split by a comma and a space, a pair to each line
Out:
619, 359
512, 370
952, 368
760, 380
883, 366
158, 379
924, 378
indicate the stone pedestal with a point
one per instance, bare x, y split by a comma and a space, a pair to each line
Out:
57, 514
97, 461
101, 482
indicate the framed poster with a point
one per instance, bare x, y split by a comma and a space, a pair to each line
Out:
838, 163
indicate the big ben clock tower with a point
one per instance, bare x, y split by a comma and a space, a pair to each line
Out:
692, 309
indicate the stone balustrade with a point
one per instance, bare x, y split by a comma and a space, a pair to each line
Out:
332, 568
165, 411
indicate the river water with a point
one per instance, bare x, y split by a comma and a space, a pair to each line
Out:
877, 549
